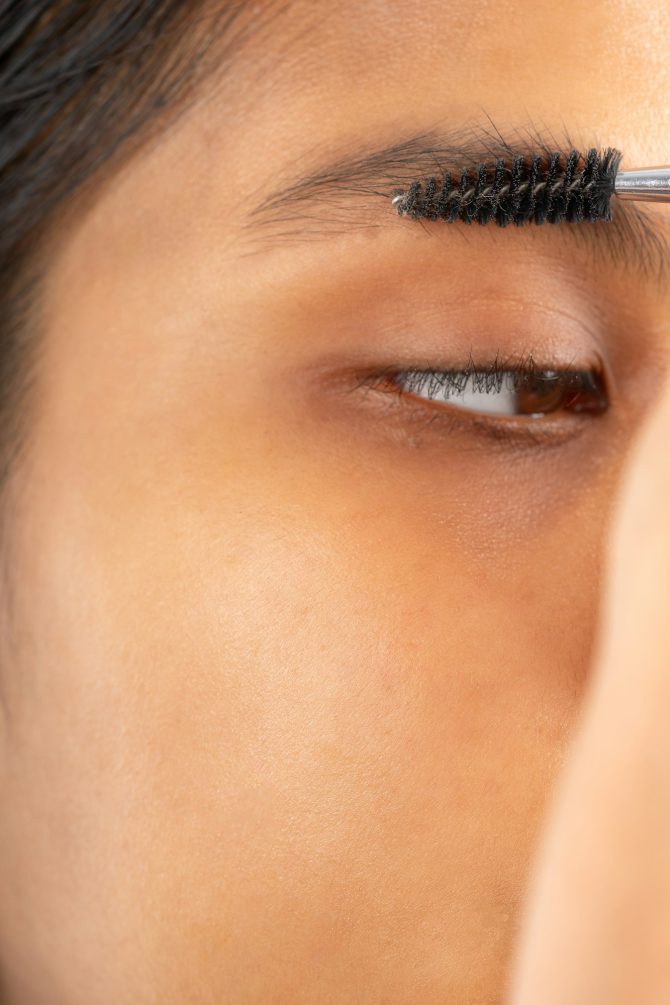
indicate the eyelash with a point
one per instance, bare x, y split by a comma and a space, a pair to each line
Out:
583, 389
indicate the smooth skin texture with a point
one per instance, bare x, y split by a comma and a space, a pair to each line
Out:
293, 665
598, 922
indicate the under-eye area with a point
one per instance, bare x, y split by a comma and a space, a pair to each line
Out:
307, 501
512, 401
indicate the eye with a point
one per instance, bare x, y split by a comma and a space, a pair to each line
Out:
526, 391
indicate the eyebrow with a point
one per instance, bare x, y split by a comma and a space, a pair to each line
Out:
354, 191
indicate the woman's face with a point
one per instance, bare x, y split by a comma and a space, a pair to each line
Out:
293, 661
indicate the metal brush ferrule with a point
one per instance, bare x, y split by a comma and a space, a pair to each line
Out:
651, 184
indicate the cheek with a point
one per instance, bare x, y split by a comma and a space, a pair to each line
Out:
270, 692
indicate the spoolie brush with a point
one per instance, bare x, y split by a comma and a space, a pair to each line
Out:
544, 188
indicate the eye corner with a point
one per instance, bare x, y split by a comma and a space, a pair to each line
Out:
424, 414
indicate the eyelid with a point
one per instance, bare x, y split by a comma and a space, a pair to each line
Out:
423, 416
426, 418
360, 364
479, 390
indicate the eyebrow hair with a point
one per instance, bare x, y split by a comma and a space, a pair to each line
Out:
354, 191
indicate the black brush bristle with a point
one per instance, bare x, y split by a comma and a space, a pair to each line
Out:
543, 188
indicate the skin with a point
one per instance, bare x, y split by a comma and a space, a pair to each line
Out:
290, 671
598, 917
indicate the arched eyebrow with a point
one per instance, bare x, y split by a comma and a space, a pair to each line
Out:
354, 190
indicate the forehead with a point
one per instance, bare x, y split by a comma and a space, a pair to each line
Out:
319, 81
417, 60
314, 81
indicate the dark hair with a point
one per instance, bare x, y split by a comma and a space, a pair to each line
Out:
81, 85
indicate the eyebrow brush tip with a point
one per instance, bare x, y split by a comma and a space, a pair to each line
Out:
538, 188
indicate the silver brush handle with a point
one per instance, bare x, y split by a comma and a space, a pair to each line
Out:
651, 184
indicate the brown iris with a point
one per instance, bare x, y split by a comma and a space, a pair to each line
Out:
554, 390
